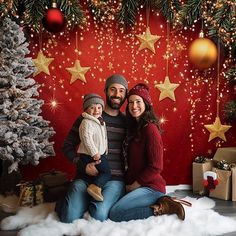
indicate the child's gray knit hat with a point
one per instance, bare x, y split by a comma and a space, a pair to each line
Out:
92, 98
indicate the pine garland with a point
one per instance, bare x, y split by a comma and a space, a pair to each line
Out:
190, 12
73, 12
230, 74
128, 12
223, 23
230, 111
219, 17
7, 6
97, 12
34, 13
168, 8
35, 10
104, 11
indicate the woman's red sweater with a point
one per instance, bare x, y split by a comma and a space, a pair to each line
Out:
145, 159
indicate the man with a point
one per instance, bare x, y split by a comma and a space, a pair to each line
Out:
77, 201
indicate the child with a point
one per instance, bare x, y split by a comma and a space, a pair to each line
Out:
93, 145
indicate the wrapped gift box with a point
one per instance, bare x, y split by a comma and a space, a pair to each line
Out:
226, 189
223, 190
233, 170
197, 173
55, 185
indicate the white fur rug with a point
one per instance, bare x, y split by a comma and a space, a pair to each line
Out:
200, 220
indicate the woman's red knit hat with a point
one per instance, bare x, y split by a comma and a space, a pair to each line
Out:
141, 90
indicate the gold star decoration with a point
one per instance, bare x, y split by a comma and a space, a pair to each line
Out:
77, 72
167, 89
42, 63
217, 130
147, 40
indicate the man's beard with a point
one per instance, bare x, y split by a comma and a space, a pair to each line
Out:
111, 104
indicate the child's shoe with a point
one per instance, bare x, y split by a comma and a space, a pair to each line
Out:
96, 192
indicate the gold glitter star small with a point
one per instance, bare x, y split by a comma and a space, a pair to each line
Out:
42, 63
167, 89
147, 40
217, 130
77, 72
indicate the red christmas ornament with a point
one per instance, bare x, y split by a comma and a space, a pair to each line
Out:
54, 20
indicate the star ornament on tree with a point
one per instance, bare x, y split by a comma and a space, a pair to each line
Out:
217, 130
147, 40
42, 63
167, 89
77, 72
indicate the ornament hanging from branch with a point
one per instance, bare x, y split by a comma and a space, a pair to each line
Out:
147, 39
42, 62
104, 11
202, 52
167, 88
54, 20
217, 129
77, 71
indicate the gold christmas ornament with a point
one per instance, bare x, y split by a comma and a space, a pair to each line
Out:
217, 130
202, 52
77, 72
42, 63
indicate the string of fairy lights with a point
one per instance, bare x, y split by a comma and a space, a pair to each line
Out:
174, 62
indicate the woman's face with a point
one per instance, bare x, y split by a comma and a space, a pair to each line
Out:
136, 106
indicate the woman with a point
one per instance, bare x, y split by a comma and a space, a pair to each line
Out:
143, 149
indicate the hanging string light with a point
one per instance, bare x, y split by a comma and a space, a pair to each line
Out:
167, 88
77, 71
217, 129
147, 39
42, 62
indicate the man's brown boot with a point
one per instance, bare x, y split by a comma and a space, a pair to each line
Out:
96, 192
166, 205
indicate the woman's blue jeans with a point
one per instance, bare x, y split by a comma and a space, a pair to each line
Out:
135, 205
77, 201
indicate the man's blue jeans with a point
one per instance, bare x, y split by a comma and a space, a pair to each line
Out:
77, 201
135, 205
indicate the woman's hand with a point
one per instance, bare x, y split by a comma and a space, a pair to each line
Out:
91, 168
132, 186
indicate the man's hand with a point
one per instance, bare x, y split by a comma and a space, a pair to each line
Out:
91, 169
96, 157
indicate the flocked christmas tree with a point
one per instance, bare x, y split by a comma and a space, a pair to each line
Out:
24, 134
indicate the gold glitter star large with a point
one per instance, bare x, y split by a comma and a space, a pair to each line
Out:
167, 89
217, 130
77, 72
147, 40
42, 63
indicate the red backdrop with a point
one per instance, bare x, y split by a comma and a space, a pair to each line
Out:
107, 50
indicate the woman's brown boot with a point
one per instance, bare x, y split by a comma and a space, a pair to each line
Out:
166, 205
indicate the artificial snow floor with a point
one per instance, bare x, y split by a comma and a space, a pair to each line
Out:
201, 220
